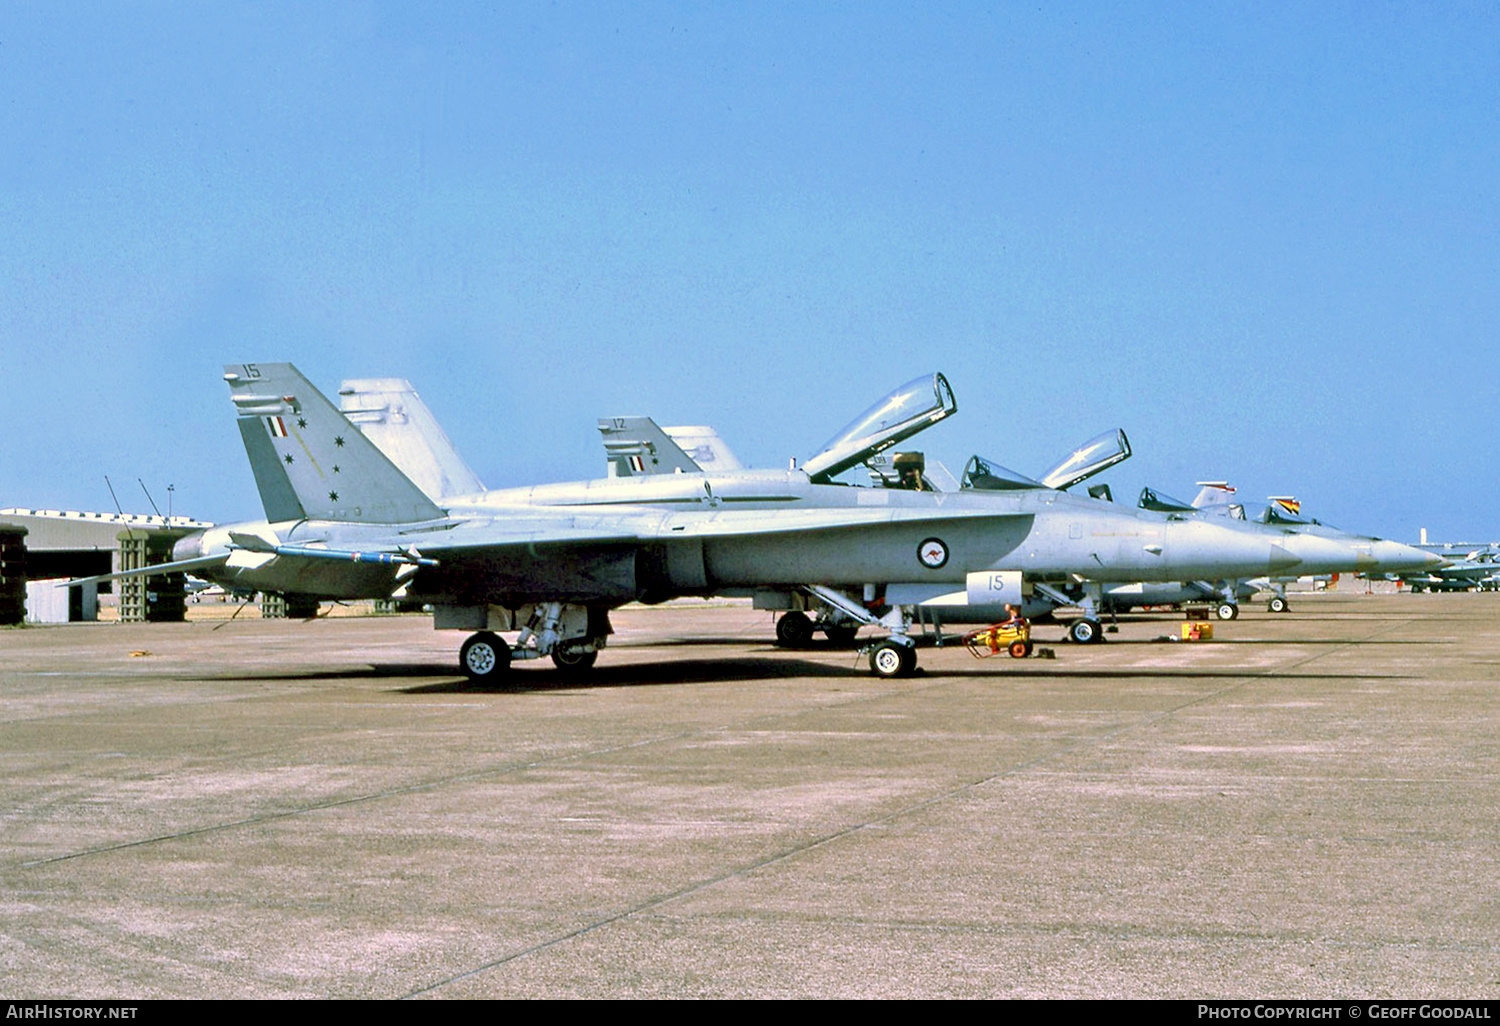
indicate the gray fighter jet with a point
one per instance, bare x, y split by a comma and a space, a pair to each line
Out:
1095, 592
1467, 565
549, 562
1363, 554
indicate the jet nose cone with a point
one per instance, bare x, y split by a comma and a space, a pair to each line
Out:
1393, 557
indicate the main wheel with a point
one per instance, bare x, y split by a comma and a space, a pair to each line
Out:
485, 657
794, 629
1227, 611
842, 636
574, 660
891, 659
1085, 631
1277, 604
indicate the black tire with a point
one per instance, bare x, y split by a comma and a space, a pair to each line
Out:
794, 630
1020, 649
485, 658
1227, 611
1277, 604
574, 660
890, 660
1085, 631
842, 636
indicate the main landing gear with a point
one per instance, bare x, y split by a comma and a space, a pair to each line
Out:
795, 629
1278, 604
574, 659
570, 635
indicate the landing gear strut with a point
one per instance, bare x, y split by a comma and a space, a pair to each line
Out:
571, 635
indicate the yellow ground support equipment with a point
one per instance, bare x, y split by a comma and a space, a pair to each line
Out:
1000, 637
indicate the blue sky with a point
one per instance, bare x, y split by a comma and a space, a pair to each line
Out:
1263, 238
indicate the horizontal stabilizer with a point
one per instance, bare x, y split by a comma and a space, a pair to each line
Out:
180, 566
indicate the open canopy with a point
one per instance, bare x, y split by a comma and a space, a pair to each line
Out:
915, 406
1088, 459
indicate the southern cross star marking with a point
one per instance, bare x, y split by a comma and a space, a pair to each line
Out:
289, 459
302, 422
339, 441
333, 496
335, 468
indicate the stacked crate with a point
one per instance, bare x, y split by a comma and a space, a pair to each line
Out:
12, 574
158, 598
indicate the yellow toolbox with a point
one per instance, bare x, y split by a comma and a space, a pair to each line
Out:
1197, 631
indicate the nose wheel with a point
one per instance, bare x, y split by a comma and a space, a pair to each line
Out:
890, 659
1085, 631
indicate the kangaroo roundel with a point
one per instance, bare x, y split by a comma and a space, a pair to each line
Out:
932, 553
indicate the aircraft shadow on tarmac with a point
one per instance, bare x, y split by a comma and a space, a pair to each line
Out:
544, 678
680, 671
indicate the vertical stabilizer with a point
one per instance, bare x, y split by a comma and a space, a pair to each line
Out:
308, 460
1213, 493
391, 414
635, 446
704, 447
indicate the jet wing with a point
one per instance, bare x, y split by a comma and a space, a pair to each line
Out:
526, 529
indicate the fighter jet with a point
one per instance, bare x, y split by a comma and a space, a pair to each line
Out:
1465, 566
1475, 570
1324, 549
1096, 591
550, 561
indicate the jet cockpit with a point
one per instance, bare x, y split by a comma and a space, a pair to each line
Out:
1090, 458
1161, 502
1278, 515
985, 475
